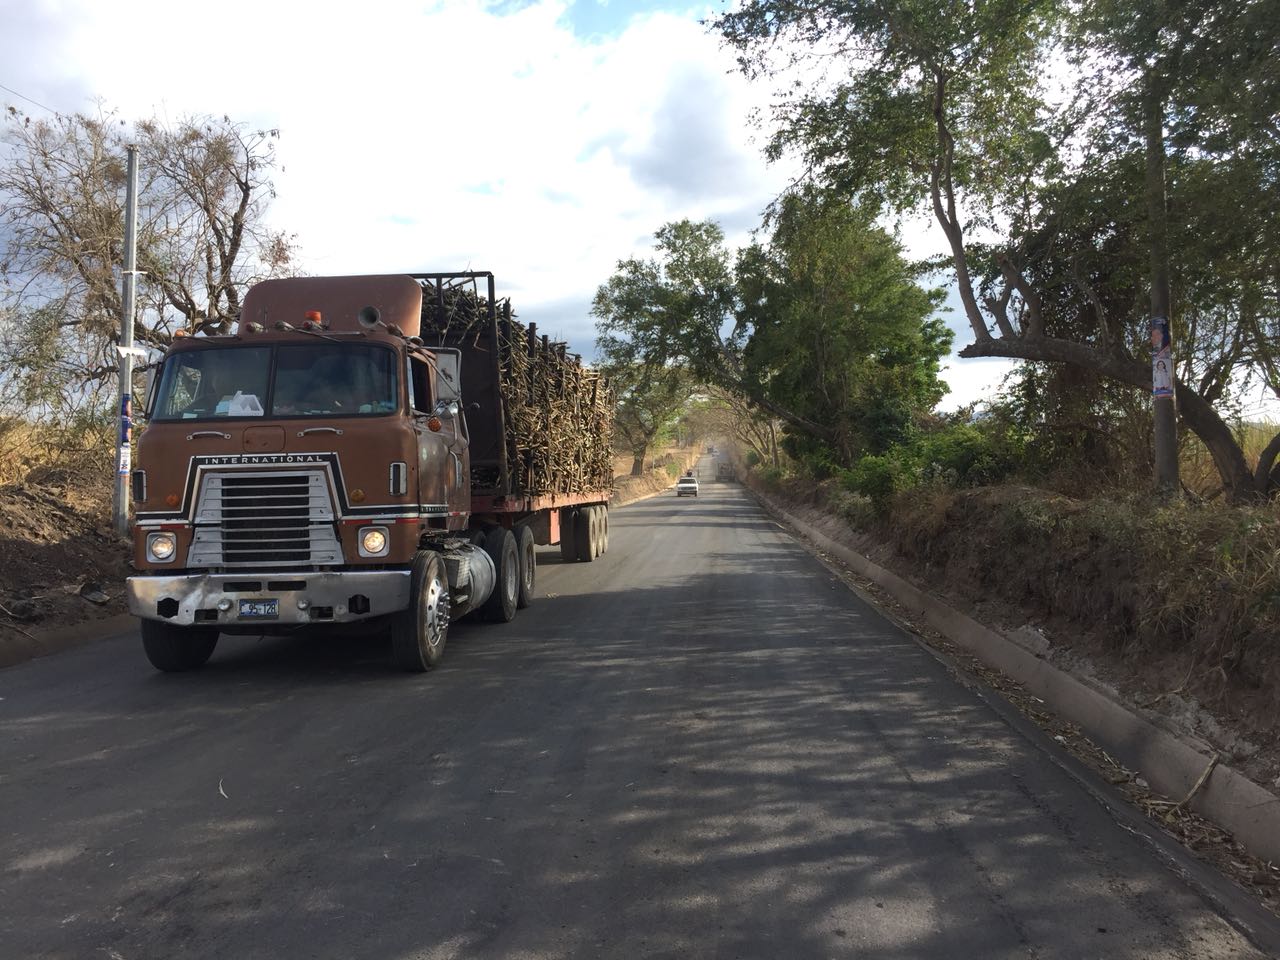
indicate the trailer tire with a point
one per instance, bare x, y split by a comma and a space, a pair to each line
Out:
568, 535
584, 529
601, 543
528, 565
604, 526
597, 536
500, 545
173, 648
418, 634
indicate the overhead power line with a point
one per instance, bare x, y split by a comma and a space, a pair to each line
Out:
28, 99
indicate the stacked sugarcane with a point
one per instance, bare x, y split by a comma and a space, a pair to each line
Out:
558, 414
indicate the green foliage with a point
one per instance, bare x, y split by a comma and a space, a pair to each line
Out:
878, 478
923, 105
823, 327
840, 332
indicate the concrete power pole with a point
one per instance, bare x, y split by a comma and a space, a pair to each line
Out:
129, 282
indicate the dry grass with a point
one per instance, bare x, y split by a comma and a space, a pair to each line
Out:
1196, 468
80, 461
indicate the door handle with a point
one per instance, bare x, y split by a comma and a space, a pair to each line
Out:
209, 433
303, 433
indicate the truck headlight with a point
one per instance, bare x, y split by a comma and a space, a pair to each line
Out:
161, 547
373, 541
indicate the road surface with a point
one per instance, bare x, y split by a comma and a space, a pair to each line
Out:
702, 745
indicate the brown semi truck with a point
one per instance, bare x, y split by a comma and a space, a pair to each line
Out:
381, 453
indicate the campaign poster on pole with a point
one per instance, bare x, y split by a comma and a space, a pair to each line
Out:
1161, 359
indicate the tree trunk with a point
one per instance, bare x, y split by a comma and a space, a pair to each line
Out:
637, 461
1199, 414
1266, 462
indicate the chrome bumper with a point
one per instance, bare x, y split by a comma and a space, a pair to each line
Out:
300, 597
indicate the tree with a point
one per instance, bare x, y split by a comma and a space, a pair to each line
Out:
824, 327
840, 332
202, 239
650, 399
925, 108
678, 310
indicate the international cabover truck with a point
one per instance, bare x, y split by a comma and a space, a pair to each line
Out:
381, 453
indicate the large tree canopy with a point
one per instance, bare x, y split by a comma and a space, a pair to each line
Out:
1022, 123
824, 326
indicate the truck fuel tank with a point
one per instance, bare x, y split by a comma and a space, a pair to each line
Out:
471, 575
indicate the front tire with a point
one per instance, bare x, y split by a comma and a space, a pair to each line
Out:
418, 633
173, 648
525, 547
500, 545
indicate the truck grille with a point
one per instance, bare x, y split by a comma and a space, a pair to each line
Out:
264, 519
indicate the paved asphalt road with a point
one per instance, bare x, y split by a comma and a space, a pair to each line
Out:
701, 745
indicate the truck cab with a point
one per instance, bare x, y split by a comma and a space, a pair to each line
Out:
287, 472
325, 466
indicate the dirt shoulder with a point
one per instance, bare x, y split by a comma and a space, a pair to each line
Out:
60, 563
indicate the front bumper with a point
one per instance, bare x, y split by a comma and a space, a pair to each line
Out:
339, 596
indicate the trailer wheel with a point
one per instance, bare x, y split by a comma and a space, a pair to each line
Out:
584, 529
604, 526
598, 516
528, 566
173, 648
418, 633
568, 535
500, 545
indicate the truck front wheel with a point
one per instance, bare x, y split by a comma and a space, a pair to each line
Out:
418, 633
172, 648
500, 545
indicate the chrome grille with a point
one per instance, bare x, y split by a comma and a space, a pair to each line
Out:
264, 519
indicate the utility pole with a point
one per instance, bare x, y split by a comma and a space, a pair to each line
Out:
1164, 412
129, 282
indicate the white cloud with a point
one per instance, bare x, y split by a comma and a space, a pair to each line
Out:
446, 136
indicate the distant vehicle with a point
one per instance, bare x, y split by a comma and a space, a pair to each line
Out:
687, 486
724, 471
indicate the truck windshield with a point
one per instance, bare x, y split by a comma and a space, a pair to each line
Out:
293, 380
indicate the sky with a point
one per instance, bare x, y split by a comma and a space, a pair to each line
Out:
543, 141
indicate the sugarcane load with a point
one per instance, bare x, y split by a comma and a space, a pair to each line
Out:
377, 454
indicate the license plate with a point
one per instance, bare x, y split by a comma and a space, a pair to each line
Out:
259, 609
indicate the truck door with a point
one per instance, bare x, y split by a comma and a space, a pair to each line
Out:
444, 476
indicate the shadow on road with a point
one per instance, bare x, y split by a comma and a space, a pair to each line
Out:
734, 759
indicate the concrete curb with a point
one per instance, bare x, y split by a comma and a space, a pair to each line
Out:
1171, 765
21, 649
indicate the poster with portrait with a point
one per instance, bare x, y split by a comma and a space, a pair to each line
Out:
1161, 358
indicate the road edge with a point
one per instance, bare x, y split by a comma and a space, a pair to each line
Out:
1171, 765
